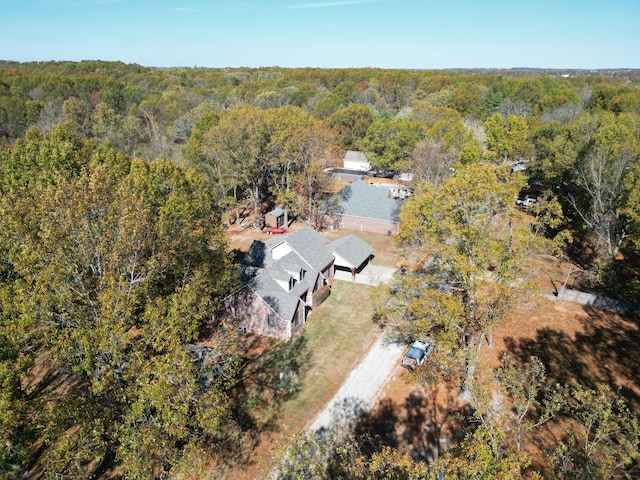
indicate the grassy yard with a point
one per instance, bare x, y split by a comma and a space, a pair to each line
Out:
337, 335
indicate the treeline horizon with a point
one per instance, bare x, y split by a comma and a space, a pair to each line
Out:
518, 69
117, 182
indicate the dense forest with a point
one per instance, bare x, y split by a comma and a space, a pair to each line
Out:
117, 182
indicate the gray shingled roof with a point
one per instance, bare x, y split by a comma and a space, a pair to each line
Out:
310, 252
260, 271
359, 199
261, 281
311, 246
276, 212
352, 249
292, 262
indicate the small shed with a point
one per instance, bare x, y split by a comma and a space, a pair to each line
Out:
275, 218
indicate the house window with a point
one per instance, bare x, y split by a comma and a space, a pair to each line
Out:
271, 320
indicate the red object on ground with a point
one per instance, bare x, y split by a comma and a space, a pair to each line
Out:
274, 230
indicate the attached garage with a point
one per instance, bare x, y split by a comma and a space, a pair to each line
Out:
351, 253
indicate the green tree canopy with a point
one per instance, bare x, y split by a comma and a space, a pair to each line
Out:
468, 254
389, 143
351, 125
111, 270
506, 137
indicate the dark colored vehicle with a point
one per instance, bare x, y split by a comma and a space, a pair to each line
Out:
417, 354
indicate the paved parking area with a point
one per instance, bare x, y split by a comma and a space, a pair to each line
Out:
371, 275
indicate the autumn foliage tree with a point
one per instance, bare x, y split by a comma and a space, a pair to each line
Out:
468, 255
389, 143
351, 125
605, 442
111, 268
338, 453
506, 137
254, 153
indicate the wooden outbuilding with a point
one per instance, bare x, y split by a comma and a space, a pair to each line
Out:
275, 218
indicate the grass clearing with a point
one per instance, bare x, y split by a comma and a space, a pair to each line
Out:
336, 337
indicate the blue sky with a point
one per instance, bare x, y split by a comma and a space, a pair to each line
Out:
422, 34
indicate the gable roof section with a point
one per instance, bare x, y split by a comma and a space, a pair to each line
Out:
311, 246
292, 262
352, 249
359, 199
308, 253
263, 282
265, 275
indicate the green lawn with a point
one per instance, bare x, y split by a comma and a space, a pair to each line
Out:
338, 333
336, 336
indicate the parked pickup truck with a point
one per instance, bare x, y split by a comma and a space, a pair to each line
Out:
526, 202
417, 354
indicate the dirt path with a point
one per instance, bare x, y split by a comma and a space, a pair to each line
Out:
361, 389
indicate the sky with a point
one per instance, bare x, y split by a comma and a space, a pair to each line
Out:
415, 34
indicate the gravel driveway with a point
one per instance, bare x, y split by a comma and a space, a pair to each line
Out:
360, 390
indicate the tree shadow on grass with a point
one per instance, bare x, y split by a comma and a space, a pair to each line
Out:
270, 376
380, 426
557, 350
606, 351
613, 341
237, 255
624, 274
